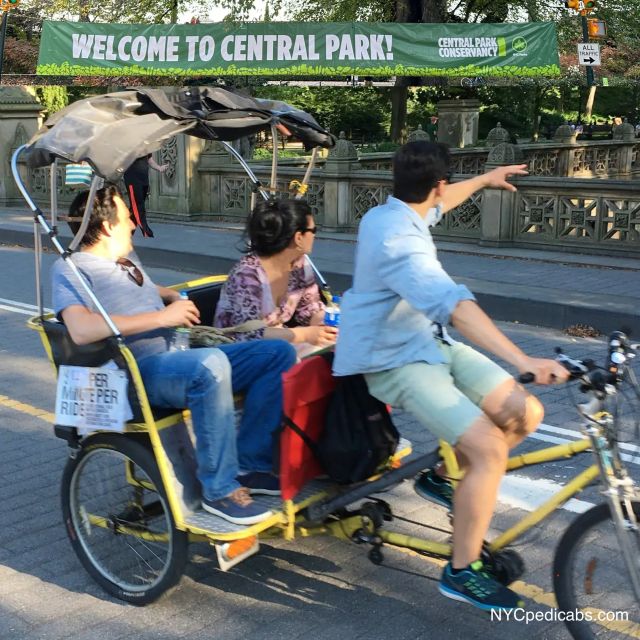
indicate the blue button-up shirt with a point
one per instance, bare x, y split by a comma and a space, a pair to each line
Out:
399, 291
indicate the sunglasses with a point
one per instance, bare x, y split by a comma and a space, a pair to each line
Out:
312, 230
132, 271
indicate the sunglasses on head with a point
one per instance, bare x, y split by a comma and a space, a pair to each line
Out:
132, 271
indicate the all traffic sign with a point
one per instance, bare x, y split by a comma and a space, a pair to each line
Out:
589, 54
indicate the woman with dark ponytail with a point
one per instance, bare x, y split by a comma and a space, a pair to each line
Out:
274, 282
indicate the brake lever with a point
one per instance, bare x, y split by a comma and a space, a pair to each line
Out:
577, 368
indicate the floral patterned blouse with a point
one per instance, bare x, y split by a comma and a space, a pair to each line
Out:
246, 295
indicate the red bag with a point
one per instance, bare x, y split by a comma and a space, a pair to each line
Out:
307, 389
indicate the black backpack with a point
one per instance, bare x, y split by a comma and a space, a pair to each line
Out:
358, 434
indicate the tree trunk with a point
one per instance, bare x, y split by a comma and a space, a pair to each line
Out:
591, 96
83, 6
538, 92
399, 94
433, 10
410, 11
532, 10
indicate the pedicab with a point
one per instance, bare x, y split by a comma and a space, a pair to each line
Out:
129, 493
130, 497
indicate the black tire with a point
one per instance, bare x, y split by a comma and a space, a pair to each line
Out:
589, 571
94, 486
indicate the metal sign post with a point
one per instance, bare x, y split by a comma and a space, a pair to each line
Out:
585, 36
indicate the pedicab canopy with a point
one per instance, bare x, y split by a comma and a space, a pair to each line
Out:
317, 49
110, 131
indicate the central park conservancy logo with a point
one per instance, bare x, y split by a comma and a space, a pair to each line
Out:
519, 44
480, 47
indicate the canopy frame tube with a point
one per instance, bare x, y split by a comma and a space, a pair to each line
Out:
41, 222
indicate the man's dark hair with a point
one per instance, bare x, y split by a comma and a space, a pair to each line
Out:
273, 223
104, 210
417, 169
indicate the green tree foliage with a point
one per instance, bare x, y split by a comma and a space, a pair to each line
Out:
342, 11
362, 113
53, 98
141, 11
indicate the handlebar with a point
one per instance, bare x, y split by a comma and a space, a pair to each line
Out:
592, 377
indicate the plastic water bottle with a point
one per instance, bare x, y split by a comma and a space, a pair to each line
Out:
332, 313
180, 340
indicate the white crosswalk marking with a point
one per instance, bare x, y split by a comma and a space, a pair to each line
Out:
20, 307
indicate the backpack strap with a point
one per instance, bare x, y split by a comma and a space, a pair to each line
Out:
296, 429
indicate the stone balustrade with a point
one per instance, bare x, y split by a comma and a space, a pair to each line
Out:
550, 209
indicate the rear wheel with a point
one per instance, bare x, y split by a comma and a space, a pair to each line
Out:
118, 519
592, 580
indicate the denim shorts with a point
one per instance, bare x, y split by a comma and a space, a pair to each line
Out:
445, 398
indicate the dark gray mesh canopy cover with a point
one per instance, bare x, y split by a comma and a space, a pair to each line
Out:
110, 131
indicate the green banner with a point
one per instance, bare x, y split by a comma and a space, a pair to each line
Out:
299, 49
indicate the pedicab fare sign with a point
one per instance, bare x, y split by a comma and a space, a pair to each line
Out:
299, 49
91, 398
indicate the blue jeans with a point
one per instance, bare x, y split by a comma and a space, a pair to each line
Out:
204, 380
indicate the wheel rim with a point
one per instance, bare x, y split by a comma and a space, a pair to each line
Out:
121, 522
601, 583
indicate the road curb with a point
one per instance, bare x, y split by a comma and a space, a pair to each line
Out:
527, 304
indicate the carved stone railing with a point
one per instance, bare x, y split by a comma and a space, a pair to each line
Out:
601, 215
548, 210
593, 159
228, 190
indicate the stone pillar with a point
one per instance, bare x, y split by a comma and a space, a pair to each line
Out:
176, 194
418, 134
497, 135
458, 122
20, 118
565, 135
337, 201
624, 133
213, 159
498, 204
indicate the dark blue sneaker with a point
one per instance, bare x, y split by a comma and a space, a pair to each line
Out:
260, 482
430, 486
237, 507
477, 587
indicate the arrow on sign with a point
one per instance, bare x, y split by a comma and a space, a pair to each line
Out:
590, 60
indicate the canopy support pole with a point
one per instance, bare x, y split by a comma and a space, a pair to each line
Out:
39, 219
274, 160
252, 176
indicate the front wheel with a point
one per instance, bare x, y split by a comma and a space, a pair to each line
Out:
591, 579
118, 519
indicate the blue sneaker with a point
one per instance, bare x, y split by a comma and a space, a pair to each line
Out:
477, 587
430, 486
237, 507
260, 482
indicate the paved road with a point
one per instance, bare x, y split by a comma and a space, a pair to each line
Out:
546, 288
318, 588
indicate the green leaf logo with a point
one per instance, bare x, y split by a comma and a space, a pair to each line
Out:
519, 44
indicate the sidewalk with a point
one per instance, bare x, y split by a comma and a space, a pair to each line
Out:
542, 288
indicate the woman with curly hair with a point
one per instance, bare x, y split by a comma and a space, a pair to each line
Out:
274, 282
